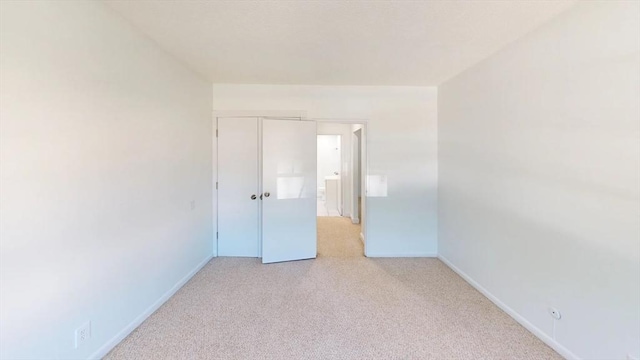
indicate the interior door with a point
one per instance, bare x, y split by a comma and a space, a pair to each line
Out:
289, 190
238, 190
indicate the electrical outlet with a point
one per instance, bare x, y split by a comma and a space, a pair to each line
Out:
193, 204
83, 333
555, 313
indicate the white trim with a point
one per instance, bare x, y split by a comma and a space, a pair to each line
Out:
353, 121
566, 353
214, 185
104, 349
260, 113
260, 189
404, 255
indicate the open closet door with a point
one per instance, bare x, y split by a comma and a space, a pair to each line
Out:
289, 190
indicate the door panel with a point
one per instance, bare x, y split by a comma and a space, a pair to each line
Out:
237, 181
289, 190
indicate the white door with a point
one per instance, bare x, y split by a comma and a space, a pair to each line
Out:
288, 190
238, 190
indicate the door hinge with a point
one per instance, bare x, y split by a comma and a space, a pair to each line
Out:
216, 185
216, 235
216, 132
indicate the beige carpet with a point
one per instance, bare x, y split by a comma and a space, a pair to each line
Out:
338, 237
344, 307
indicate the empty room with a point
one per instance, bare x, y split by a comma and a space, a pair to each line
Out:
201, 179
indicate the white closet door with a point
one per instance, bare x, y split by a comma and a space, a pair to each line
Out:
289, 190
238, 191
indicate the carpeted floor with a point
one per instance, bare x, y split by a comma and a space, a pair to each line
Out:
342, 307
338, 237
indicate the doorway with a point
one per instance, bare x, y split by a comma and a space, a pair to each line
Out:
339, 183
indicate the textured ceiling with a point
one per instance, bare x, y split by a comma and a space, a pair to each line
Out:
335, 42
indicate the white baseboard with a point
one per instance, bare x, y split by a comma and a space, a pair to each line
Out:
402, 255
566, 353
104, 349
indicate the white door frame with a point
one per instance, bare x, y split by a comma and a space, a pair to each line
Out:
290, 114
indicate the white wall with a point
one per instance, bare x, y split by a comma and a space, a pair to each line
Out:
402, 145
539, 177
105, 141
329, 157
344, 130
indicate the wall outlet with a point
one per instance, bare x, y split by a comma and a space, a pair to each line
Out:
555, 313
83, 333
193, 204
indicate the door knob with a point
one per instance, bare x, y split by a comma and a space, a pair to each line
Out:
266, 194
253, 197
